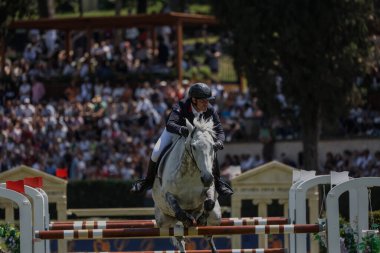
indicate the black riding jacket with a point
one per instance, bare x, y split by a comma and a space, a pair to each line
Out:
182, 110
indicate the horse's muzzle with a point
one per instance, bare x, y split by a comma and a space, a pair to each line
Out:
207, 179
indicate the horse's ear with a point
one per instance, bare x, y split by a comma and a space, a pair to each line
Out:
189, 126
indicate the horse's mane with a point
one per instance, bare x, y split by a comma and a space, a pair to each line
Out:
205, 125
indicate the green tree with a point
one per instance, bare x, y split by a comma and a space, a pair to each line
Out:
142, 6
11, 10
46, 8
317, 47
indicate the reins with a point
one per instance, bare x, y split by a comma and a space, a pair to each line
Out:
191, 151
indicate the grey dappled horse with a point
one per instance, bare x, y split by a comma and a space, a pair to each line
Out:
184, 189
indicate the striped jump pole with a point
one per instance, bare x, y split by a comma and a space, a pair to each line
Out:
176, 231
152, 223
274, 250
279, 220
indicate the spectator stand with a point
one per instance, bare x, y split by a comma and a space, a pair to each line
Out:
149, 21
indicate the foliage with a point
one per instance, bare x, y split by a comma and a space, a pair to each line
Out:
376, 217
349, 236
9, 239
320, 237
317, 47
370, 242
11, 10
66, 6
107, 8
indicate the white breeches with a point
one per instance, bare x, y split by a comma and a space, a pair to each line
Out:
164, 141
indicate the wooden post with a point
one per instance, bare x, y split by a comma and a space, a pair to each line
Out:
89, 40
68, 43
263, 212
179, 52
153, 37
2, 54
9, 213
61, 213
285, 203
236, 212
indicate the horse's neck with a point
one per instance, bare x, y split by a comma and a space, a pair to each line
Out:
186, 162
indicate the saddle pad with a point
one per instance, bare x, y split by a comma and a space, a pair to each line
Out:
165, 156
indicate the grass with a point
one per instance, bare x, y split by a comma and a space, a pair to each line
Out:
226, 72
210, 40
154, 7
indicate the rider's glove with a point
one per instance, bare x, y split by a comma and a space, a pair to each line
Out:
184, 131
218, 145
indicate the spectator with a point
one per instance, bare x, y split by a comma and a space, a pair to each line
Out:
38, 91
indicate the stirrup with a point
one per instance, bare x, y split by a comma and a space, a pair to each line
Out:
223, 188
140, 186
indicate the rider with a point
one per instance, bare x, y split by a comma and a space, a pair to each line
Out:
196, 105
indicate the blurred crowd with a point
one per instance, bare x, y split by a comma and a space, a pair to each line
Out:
105, 127
359, 163
95, 131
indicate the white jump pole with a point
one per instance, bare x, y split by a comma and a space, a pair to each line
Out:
38, 205
299, 176
44, 220
46, 217
301, 194
38, 215
332, 205
358, 198
26, 228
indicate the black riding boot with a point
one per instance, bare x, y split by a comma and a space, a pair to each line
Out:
145, 184
221, 187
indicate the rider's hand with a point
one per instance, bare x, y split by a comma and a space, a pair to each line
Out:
218, 145
184, 131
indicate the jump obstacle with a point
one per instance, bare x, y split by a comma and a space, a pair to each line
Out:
176, 231
207, 251
33, 241
107, 224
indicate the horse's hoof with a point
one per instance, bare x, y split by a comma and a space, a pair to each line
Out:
189, 223
209, 204
186, 219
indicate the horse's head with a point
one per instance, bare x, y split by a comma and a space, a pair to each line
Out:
199, 144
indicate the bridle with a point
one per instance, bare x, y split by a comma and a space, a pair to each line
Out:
190, 150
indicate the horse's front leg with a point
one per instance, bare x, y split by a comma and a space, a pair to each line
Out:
211, 197
208, 206
211, 243
180, 214
179, 243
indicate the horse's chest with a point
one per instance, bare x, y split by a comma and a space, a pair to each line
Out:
190, 192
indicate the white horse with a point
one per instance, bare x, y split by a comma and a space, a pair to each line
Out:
184, 189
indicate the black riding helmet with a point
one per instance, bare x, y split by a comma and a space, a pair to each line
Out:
200, 91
